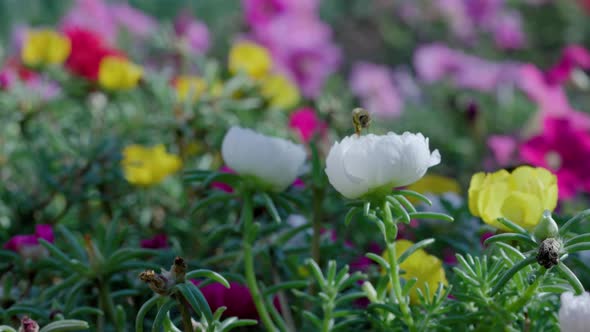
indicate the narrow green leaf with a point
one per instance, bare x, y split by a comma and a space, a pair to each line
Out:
350, 214
571, 278
162, 314
408, 286
512, 226
379, 260
271, 208
85, 311
313, 318
431, 215
65, 325
317, 273
511, 272
196, 292
511, 237
285, 285
139, 319
399, 209
239, 323
204, 273
415, 247
192, 300
212, 199
577, 218
6, 328
577, 239
366, 208
74, 243
413, 194
406, 203
578, 247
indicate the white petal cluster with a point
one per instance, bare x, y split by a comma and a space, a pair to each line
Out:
574, 314
360, 164
273, 161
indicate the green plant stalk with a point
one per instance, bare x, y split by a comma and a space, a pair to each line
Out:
318, 199
328, 322
187, 324
394, 274
106, 303
517, 305
248, 216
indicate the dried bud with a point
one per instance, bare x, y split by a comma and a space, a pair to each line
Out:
156, 281
548, 254
472, 112
28, 325
178, 269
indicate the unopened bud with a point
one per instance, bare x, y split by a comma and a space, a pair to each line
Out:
546, 228
370, 291
28, 325
548, 254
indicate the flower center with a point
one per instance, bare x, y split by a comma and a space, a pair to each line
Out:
553, 160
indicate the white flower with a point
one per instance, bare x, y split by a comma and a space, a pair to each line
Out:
273, 161
360, 164
574, 314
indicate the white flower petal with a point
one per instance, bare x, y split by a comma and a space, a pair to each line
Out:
270, 159
359, 164
574, 314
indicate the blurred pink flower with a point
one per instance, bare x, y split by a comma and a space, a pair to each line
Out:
503, 148
565, 150
106, 19
375, 86
134, 21
435, 62
507, 31
158, 241
258, 13
449, 257
193, 32
306, 123
28, 245
223, 186
572, 57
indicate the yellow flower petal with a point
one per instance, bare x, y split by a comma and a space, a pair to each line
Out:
250, 58
280, 91
45, 47
116, 73
147, 166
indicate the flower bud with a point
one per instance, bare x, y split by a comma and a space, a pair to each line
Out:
28, 325
546, 228
370, 291
548, 254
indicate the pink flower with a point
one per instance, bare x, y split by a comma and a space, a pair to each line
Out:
223, 186
133, 20
565, 149
259, 13
375, 86
158, 241
435, 62
572, 57
508, 32
307, 124
237, 299
193, 32
449, 257
28, 245
503, 148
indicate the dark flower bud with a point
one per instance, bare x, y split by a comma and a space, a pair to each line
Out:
28, 325
548, 254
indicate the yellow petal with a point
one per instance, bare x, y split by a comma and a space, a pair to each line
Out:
280, 91
250, 58
523, 209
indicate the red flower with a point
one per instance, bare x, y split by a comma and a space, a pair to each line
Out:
88, 50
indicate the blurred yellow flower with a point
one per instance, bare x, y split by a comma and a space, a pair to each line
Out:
45, 47
426, 268
251, 58
520, 196
194, 87
280, 91
435, 184
146, 166
117, 73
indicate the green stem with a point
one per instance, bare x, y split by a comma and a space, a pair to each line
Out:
328, 322
394, 271
318, 199
248, 219
106, 303
187, 324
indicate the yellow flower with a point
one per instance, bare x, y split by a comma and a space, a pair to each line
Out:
434, 184
520, 196
251, 58
427, 269
117, 73
146, 166
45, 47
280, 91
194, 87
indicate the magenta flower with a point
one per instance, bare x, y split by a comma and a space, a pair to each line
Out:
259, 13
158, 241
308, 55
572, 57
28, 245
307, 124
237, 299
193, 33
223, 186
563, 148
375, 86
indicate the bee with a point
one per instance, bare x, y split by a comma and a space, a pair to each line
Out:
360, 119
